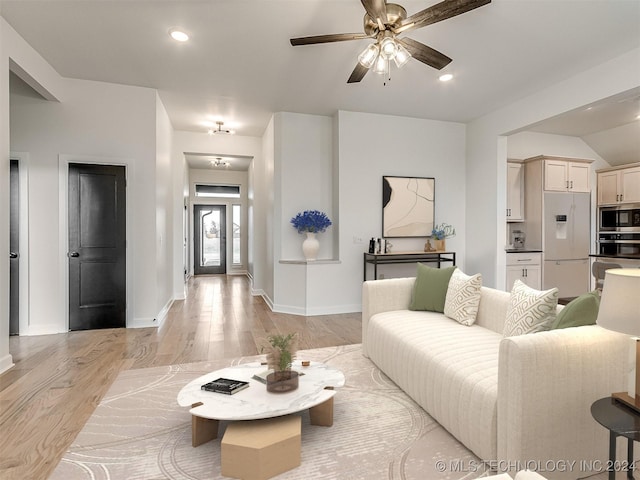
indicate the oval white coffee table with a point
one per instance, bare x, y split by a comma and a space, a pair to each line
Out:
315, 392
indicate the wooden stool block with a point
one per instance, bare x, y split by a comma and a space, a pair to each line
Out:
261, 449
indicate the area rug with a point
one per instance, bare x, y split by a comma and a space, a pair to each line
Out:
139, 432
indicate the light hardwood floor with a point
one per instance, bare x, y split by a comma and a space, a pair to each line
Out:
58, 380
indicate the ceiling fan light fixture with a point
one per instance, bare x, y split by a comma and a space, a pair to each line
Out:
382, 66
402, 56
368, 56
388, 48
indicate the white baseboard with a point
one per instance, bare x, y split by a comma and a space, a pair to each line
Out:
143, 322
6, 363
313, 311
238, 272
162, 316
46, 329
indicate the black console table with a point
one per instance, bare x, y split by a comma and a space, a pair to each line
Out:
406, 257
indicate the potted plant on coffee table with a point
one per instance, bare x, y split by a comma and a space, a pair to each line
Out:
281, 351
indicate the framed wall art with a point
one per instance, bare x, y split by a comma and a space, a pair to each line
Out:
407, 206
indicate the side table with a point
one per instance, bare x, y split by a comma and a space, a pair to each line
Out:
621, 421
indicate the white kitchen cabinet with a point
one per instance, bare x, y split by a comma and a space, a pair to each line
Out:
621, 185
566, 175
515, 192
526, 267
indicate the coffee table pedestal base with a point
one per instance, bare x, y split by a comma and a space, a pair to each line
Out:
202, 429
260, 449
322, 414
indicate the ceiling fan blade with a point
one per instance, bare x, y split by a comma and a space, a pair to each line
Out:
338, 37
377, 10
438, 12
425, 54
358, 73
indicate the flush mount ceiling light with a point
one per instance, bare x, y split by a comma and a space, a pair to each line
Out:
446, 77
220, 130
178, 35
219, 162
384, 22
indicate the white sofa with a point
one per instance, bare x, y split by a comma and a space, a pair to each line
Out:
510, 400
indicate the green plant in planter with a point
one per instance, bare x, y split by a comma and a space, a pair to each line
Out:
282, 351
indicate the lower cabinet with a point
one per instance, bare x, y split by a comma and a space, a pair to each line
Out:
526, 267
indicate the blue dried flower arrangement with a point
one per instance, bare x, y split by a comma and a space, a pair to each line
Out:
312, 221
442, 231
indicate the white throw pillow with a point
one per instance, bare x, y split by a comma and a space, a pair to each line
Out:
530, 310
463, 297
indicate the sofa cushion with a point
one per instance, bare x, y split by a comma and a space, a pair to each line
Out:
580, 311
430, 289
449, 369
530, 310
463, 297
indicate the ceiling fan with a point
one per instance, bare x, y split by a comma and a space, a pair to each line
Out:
384, 22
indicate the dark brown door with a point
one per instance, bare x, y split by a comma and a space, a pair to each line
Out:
14, 252
210, 242
97, 247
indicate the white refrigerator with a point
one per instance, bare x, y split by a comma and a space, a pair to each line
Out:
566, 241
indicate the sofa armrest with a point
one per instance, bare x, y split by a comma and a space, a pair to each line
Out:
546, 384
384, 296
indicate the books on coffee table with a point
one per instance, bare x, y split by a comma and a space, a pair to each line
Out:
225, 385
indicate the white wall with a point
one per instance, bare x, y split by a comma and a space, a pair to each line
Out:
261, 201
402, 147
304, 179
116, 124
165, 199
305, 151
17, 54
487, 153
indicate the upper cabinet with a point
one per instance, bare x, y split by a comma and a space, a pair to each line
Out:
619, 185
566, 175
515, 192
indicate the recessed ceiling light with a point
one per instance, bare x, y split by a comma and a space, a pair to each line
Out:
178, 35
637, 117
446, 77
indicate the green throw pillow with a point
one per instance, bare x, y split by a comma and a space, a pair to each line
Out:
580, 311
430, 289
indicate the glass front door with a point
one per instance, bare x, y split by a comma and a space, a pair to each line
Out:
210, 246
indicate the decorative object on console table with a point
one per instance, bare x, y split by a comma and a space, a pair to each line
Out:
407, 206
620, 311
282, 350
311, 222
440, 233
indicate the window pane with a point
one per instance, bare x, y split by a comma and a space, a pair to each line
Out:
227, 191
209, 254
236, 235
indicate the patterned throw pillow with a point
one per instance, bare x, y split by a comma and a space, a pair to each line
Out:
463, 297
530, 310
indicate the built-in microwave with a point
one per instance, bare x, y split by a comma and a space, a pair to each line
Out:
621, 218
619, 244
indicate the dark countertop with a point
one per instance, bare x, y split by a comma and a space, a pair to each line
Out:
522, 250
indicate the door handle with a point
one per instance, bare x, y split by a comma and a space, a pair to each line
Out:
73, 254
13, 255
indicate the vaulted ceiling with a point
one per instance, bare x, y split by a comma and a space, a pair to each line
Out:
239, 66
